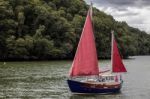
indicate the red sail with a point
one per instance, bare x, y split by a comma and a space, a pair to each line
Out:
85, 61
117, 64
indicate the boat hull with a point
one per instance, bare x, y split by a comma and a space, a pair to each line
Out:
84, 87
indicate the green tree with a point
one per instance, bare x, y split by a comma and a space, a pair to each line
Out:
50, 29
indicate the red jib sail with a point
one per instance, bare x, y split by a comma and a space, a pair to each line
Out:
117, 64
85, 61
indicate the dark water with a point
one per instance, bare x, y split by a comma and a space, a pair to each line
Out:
36, 80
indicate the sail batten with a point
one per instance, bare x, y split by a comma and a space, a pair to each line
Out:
117, 64
85, 61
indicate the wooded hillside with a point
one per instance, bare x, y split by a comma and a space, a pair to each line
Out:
50, 29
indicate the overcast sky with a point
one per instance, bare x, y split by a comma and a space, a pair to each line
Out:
135, 12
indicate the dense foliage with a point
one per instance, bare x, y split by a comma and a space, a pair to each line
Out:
50, 29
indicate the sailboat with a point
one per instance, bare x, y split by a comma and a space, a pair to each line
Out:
85, 75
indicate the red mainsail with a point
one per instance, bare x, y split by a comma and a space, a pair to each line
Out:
117, 64
85, 61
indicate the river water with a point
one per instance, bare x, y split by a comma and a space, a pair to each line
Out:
47, 80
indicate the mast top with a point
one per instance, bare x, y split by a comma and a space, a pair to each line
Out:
112, 31
91, 3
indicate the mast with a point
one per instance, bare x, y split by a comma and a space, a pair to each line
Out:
112, 37
91, 10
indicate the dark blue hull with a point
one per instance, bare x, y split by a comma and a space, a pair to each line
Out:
82, 87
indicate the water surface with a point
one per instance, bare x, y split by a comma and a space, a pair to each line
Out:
47, 79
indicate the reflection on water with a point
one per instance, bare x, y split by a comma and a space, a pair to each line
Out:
48, 80
96, 96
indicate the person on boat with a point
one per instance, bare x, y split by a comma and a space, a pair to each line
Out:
116, 78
